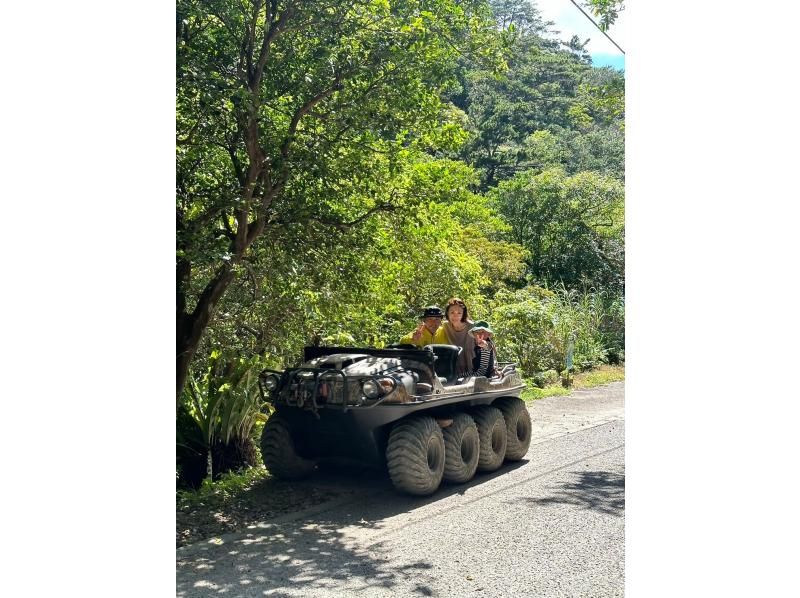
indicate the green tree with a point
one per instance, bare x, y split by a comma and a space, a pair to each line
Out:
572, 226
365, 285
281, 106
549, 86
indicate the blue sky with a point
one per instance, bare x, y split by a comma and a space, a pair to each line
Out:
569, 21
614, 60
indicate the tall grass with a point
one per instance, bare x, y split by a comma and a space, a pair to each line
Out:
535, 327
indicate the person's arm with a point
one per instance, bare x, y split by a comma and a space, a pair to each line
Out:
476, 360
416, 337
495, 371
406, 340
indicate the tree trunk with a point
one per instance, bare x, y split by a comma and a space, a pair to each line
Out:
191, 326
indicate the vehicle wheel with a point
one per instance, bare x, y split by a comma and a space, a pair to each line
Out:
492, 434
461, 449
278, 452
518, 427
415, 455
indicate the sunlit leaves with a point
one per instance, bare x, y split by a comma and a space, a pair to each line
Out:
606, 10
572, 226
301, 121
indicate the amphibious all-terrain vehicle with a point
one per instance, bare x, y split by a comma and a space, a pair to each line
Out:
402, 408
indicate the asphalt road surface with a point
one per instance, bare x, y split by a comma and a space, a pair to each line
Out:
549, 525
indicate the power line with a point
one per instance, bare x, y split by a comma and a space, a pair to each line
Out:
598, 26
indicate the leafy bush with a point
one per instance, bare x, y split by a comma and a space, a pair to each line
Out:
216, 419
525, 332
546, 378
534, 327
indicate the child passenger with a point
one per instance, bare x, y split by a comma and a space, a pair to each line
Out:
484, 360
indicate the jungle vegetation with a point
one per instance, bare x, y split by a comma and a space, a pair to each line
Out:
342, 165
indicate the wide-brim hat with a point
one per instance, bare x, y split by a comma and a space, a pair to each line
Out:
432, 311
481, 325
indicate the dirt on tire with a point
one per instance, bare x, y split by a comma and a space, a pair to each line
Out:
518, 427
415, 455
461, 449
492, 433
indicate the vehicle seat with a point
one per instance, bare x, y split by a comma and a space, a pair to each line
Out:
446, 359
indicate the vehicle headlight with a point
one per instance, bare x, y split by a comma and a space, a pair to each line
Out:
371, 389
270, 383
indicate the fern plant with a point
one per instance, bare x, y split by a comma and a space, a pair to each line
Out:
223, 404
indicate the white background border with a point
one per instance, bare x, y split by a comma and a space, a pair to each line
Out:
88, 290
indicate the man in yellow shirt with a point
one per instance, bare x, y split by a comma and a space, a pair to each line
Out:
428, 331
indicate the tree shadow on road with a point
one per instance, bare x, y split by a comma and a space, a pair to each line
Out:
309, 553
602, 491
295, 560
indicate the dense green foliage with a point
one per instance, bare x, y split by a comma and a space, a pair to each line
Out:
220, 408
572, 226
536, 326
298, 119
342, 165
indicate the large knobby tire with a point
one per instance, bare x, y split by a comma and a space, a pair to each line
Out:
492, 434
278, 452
415, 455
518, 426
461, 449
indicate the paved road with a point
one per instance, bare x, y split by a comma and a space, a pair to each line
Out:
550, 525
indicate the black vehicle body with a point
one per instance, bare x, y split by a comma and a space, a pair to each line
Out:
330, 416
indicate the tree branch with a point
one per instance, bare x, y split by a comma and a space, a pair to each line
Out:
251, 37
271, 31
343, 226
237, 165
227, 226
253, 278
287, 143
